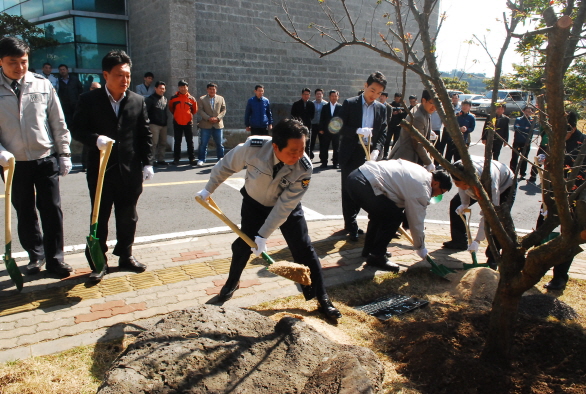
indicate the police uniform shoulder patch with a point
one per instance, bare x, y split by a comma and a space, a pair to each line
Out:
39, 76
256, 142
305, 183
306, 164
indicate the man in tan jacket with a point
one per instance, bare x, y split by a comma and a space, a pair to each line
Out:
212, 109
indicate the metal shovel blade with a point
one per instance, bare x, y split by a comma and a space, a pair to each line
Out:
12, 268
96, 253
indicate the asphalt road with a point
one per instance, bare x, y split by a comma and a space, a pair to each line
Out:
167, 204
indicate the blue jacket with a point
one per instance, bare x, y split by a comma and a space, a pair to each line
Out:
258, 112
469, 121
522, 129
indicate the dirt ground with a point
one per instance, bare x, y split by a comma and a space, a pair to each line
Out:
437, 349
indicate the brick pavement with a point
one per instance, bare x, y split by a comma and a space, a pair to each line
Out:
52, 315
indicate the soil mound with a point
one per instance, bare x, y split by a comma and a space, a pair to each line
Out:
212, 349
543, 306
476, 283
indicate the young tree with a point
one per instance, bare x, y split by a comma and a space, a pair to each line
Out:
17, 26
405, 32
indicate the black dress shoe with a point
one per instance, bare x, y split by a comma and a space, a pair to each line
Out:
130, 264
308, 292
228, 291
96, 276
366, 253
162, 163
60, 268
336, 166
455, 245
353, 237
34, 267
556, 284
327, 308
381, 263
360, 231
324, 165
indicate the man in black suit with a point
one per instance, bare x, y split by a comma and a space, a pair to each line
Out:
329, 111
304, 110
359, 114
114, 113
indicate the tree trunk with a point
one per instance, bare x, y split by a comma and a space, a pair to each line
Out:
501, 330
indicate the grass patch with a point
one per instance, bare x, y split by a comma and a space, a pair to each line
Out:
431, 350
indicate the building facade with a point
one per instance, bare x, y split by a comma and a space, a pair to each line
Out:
234, 43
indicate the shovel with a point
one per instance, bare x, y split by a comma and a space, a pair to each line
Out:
93, 242
295, 272
366, 151
467, 224
9, 262
438, 269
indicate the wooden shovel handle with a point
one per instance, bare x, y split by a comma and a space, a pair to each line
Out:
404, 233
467, 223
104, 156
213, 208
8, 176
366, 151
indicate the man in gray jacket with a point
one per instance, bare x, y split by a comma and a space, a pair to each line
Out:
33, 132
407, 147
389, 191
278, 174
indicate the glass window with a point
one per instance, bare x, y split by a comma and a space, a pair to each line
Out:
87, 79
13, 10
32, 9
90, 55
52, 6
61, 30
106, 6
56, 55
10, 3
102, 31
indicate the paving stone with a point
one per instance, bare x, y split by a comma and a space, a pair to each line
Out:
192, 295
89, 317
107, 305
57, 323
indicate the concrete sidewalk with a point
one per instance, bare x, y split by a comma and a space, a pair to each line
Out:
53, 315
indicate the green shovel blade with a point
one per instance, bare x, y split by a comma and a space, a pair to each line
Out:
474, 263
267, 258
96, 254
439, 269
12, 268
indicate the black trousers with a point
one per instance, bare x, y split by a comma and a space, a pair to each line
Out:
180, 131
457, 226
448, 143
515, 158
324, 144
384, 216
497, 146
349, 208
40, 176
314, 136
294, 231
119, 194
562, 269
259, 130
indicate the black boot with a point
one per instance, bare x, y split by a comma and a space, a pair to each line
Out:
327, 308
228, 290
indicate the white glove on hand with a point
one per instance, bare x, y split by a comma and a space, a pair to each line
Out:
473, 247
432, 136
103, 141
541, 158
147, 173
374, 155
4, 157
261, 245
204, 194
461, 208
65, 165
364, 131
430, 167
422, 253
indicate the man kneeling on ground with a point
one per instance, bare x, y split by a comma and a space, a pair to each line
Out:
389, 191
277, 176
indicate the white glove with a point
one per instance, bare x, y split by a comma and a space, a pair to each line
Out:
430, 167
473, 247
461, 208
103, 141
4, 157
374, 155
147, 173
541, 158
364, 131
422, 253
261, 245
432, 136
65, 165
204, 194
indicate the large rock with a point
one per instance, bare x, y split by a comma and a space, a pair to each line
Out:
214, 349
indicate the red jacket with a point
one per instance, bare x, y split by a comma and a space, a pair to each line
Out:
183, 107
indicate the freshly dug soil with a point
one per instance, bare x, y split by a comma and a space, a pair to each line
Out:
541, 305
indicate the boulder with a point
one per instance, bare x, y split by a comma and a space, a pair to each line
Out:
213, 349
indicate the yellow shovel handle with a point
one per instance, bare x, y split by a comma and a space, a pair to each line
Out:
8, 176
104, 156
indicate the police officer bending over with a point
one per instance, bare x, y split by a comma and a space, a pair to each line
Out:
277, 176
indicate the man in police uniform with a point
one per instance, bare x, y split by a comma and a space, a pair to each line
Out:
277, 176
33, 131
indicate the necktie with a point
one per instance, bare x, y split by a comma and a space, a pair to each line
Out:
277, 167
15, 88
